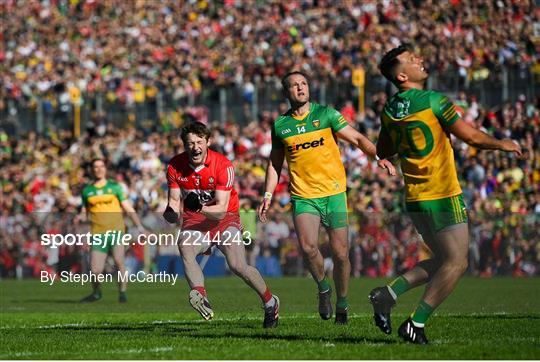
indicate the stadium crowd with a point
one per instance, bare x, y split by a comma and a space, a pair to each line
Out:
130, 49
43, 176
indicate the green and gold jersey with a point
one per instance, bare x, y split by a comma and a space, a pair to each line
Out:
311, 151
415, 120
103, 205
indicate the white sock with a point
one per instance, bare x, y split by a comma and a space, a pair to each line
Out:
270, 303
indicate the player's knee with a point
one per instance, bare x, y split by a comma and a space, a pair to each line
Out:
463, 265
310, 251
459, 266
340, 256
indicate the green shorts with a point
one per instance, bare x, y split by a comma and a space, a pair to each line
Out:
432, 216
105, 244
331, 209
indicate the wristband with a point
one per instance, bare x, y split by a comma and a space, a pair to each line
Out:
268, 196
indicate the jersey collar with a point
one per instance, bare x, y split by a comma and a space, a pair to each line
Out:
206, 162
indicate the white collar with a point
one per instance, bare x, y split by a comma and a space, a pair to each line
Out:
198, 168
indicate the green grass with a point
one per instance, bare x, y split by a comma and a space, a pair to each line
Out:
482, 319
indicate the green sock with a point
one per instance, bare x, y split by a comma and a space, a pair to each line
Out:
342, 303
399, 285
323, 285
422, 313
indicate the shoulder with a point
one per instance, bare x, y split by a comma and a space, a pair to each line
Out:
438, 100
87, 188
415, 95
114, 185
436, 96
316, 107
281, 119
326, 111
219, 159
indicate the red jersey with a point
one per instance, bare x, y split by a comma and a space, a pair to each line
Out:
217, 173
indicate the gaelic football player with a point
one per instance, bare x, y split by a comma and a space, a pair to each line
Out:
201, 190
306, 135
103, 201
416, 124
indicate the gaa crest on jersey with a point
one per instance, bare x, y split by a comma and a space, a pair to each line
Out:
316, 123
211, 180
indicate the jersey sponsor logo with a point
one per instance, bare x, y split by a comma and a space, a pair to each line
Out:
183, 179
286, 131
316, 123
306, 145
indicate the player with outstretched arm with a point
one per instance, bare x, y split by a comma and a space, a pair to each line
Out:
416, 125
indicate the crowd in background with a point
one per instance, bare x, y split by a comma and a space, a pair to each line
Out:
42, 179
129, 50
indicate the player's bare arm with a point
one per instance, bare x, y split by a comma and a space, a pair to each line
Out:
128, 208
357, 139
273, 170
218, 209
174, 205
479, 139
83, 216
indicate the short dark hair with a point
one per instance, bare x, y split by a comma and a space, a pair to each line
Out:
390, 61
284, 83
197, 128
96, 159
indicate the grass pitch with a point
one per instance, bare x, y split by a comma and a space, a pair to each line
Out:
482, 319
